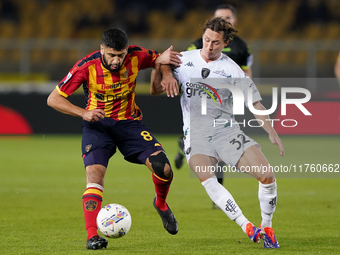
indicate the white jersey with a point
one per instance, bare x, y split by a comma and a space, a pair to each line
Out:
194, 79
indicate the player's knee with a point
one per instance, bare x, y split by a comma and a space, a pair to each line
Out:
266, 180
167, 170
266, 177
161, 165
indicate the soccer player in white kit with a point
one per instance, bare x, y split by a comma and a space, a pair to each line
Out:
206, 140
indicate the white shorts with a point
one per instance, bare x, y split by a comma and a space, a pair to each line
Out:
228, 144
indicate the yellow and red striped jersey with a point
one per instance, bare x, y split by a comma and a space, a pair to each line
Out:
114, 92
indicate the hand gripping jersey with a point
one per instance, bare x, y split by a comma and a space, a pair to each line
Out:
191, 77
114, 92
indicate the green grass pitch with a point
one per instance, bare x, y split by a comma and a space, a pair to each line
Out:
42, 181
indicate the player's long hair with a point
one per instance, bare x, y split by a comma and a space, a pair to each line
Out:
115, 38
221, 26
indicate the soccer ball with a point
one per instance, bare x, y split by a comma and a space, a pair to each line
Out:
114, 220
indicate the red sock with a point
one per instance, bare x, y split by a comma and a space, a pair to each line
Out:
92, 203
162, 188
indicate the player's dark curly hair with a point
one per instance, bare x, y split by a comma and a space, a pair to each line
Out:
115, 38
221, 26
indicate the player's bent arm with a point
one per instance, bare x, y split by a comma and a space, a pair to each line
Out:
61, 104
161, 77
168, 81
267, 126
162, 80
155, 81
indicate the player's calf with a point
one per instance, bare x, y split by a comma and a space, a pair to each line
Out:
162, 178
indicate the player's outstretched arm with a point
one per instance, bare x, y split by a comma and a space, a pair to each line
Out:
169, 57
61, 104
267, 126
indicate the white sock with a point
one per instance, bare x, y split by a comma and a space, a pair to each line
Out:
95, 185
221, 197
242, 221
268, 198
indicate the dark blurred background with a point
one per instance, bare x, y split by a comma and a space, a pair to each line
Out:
289, 38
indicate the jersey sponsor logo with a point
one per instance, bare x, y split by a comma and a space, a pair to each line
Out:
112, 86
190, 64
108, 98
205, 72
200, 88
102, 75
222, 73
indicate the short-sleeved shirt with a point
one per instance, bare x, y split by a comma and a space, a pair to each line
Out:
196, 79
219, 101
236, 49
114, 92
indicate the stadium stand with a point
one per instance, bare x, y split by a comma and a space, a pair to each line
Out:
60, 20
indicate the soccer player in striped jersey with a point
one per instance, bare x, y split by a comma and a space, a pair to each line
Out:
112, 119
